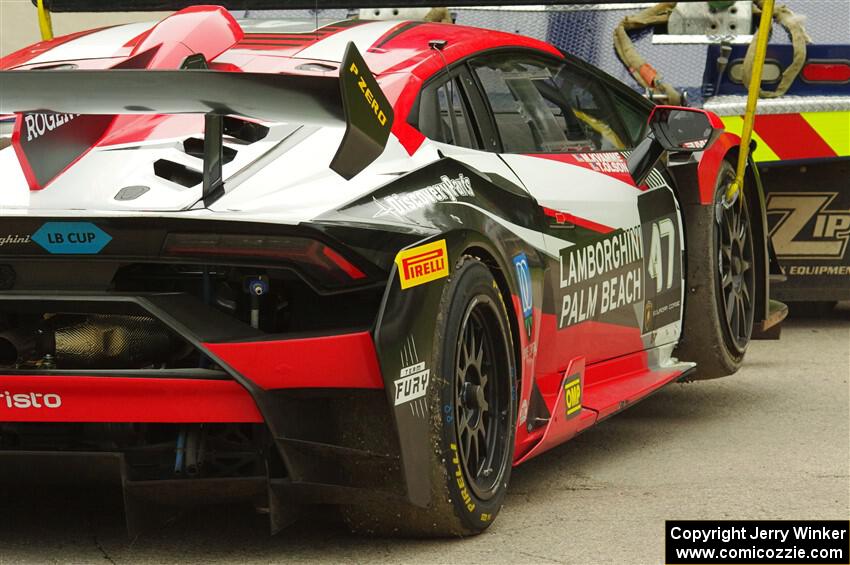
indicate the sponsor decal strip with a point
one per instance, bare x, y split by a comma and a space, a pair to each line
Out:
447, 190
601, 277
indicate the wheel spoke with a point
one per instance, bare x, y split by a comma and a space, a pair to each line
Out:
466, 440
730, 304
472, 457
481, 442
735, 320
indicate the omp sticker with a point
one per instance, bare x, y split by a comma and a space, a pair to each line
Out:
572, 395
423, 264
71, 238
523, 274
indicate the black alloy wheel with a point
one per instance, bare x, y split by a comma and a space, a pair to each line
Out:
737, 276
481, 399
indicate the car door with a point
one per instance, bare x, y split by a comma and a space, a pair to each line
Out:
565, 138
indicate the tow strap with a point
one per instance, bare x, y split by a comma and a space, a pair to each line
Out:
649, 78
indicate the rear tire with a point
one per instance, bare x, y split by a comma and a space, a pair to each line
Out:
720, 302
472, 434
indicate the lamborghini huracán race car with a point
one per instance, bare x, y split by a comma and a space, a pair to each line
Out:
371, 265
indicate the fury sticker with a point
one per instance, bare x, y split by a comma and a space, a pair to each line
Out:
448, 189
27, 400
600, 277
71, 238
423, 264
806, 227
412, 384
523, 275
572, 395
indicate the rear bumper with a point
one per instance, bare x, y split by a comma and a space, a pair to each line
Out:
78, 398
317, 403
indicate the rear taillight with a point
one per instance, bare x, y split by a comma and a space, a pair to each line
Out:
836, 72
312, 258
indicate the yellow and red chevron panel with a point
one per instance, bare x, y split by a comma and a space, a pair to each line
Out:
804, 135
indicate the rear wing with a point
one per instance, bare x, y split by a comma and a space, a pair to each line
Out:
354, 100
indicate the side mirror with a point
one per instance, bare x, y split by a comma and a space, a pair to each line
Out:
684, 129
674, 129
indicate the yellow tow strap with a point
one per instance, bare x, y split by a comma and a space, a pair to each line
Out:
754, 89
44, 23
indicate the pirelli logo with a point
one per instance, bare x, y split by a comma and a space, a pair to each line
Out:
572, 395
423, 264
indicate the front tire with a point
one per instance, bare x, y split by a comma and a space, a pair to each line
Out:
473, 415
720, 305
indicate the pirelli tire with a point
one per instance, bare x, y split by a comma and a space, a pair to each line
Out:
720, 298
473, 392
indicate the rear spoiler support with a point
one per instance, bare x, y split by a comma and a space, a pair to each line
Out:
213, 158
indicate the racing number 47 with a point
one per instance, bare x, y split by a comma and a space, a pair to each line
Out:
663, 229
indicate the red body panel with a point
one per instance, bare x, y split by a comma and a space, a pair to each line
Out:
338, 361
119, 399
208, 30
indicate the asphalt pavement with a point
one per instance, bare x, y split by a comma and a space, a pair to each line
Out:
772, 442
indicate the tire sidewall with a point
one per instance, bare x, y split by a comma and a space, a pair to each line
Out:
471, 279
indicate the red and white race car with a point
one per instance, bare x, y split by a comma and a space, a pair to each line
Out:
371, 265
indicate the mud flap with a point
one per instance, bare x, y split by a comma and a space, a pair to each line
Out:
405, 340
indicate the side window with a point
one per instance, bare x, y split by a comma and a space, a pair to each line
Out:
443, 115
632, 115
547, 107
